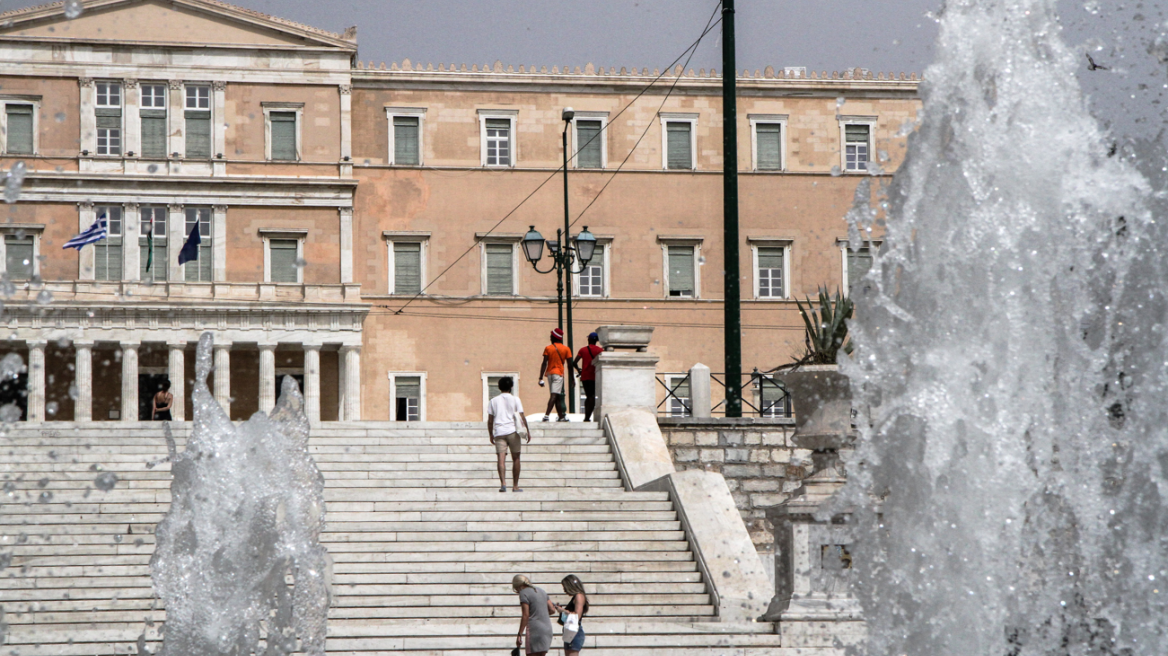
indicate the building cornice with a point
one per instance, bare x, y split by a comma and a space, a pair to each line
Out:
232, 191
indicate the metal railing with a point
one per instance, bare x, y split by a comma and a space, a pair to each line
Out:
762, 395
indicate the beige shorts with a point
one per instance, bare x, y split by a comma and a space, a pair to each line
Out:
504, 442
555, 383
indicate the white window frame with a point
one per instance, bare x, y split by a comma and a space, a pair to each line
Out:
268, 234
603, 244
392, 237
35, 101
781, 120
665, 243
282, 107
34, 230
143, 238
766, 242
165, 94
195, 86
411, 112
514, 241
121, 128
873, 245
677, 117
393, 376
486, 377
845, 121
590, 116
670, 382
501, 114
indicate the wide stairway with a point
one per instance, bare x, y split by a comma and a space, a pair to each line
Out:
423, 543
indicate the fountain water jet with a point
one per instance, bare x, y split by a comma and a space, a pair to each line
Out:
238, 559
1010, 368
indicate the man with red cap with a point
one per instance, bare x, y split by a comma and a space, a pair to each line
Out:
556, 359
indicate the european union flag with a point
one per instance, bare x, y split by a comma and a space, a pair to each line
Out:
190, 250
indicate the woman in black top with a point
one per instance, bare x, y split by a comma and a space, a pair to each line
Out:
163, 401
579, 606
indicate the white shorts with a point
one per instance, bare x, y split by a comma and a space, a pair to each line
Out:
556, 383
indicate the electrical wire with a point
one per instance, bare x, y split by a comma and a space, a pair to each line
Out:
710, 24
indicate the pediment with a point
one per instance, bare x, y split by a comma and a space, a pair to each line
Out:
166, 22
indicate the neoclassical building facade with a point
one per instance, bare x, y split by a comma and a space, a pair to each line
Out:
359, 225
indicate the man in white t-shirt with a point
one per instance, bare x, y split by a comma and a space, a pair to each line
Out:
504, 414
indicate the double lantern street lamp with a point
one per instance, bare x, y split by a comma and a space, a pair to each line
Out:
565, 250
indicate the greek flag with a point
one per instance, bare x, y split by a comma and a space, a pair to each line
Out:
95, 233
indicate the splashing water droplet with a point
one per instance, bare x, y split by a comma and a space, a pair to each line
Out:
11, 366
300, 263
51, 408
836, 172
105, 482
10, 414
73, 9
44, 297
153, 168
839, 102
1091, 6
14, 182
45, 497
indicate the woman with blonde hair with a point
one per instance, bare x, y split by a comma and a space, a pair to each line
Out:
536, 623
578, 606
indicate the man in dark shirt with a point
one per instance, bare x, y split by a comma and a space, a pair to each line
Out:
585, 363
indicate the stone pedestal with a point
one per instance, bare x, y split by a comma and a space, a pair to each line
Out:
625, 379
700, 397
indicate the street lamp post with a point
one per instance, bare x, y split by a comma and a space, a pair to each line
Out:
564, 251
568, 114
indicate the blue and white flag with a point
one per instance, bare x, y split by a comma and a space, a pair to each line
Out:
94, 233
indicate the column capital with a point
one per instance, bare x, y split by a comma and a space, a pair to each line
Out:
312, 347
222, 347
176, 85
86, 82
349, 348
219, 208
174, 207
130, 84
37, 343
267, 346
346, 89
219, 85
180, 345
82, 343
86, 205
131, 345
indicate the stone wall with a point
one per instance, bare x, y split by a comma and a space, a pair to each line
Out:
755, 456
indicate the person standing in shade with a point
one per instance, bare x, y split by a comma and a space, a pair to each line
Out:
578, 606
556, 359
162, 403
585, 363
536, 624
504, 419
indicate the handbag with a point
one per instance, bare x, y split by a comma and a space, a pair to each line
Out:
571, 626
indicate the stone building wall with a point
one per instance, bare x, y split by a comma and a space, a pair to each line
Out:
755, 456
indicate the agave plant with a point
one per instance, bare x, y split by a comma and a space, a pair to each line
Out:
826, 329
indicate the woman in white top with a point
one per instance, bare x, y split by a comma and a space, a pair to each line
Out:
504, 419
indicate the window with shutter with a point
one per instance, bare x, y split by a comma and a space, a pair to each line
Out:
406, 151
681, 271
589, 145
500, 279
773, 399
498, 142
592, 278
153, 118
768, 140
679, 401
153, 218
199, 270
198, 134
856, 144
678, 145
108, 112
107, 263
407, 398
19, 260
859, 263
282, 259
20, 129
407, 268
770, 272
283, 136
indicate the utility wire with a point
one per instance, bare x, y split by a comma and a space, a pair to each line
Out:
710, 24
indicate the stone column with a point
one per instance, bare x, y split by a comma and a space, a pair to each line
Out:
626, 379
176, 118
176, 236
177, 372
346, 129
352, 378
131, 244
218, 243
699, 391
346, 244
133, 127
312, 383
267, 377
83, 380
223, 377
218, 127
130, 381
341, 383
36, 382
87, 116
87, 214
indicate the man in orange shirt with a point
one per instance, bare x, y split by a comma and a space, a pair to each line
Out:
555, 356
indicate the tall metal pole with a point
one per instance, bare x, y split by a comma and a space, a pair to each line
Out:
732, 309
559, 283
570, 382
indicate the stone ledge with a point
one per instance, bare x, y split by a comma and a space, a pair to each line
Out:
720, 422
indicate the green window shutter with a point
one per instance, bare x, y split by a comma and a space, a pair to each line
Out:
768, 140
499, 274
856, 133
405, 141
770, 258
283, 260
154, 133
589, 145
20, 126
198, 132
108, 117
19, 261
284, 136
681, 270
859, 263
111, 258
678, 143
408, 387
407, 268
